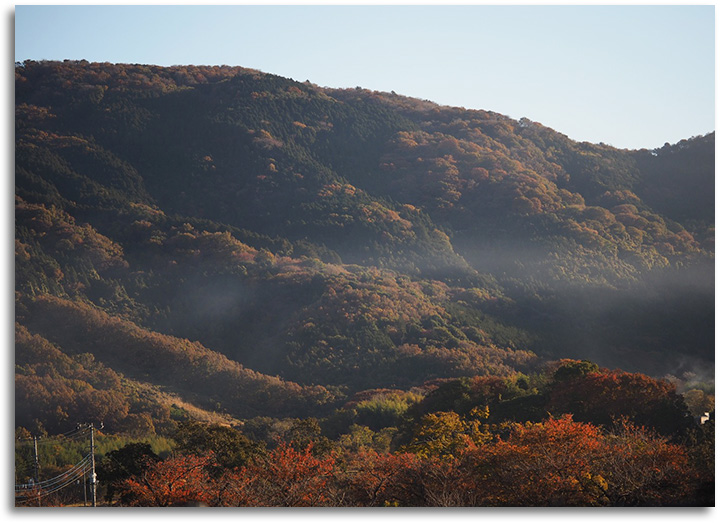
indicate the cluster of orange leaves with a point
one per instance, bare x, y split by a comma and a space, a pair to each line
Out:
558, 462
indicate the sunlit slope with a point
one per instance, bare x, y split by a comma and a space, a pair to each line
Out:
353, 239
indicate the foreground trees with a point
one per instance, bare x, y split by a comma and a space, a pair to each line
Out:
558, 462
561, 462
573, 435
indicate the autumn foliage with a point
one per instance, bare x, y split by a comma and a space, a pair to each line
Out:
558, 462
604, 397
284, 478
178, 481
368, 293
561, 462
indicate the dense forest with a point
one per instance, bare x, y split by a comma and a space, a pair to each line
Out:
338, 297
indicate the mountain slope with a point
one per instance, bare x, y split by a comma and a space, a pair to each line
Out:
345, 239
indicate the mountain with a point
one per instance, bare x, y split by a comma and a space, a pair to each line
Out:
255, 246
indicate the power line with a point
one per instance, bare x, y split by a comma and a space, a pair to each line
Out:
35, 489
57, 479
80, 430
32, 491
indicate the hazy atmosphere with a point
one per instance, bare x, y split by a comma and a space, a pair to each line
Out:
370, 256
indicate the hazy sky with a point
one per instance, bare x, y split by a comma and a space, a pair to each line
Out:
630, 76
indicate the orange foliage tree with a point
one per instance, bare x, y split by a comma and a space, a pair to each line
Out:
284, 478
561, 462
644, 469
406, 479
558, 462
182, 480
542, 464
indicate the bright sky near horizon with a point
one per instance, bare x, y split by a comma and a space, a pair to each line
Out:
629, 76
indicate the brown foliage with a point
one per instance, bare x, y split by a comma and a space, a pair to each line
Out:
140, 353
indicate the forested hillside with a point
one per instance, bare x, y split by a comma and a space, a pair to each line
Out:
262, 249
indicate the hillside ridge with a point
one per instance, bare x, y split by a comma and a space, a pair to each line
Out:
332, 241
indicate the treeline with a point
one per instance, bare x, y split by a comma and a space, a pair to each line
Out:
572, 434
558, 462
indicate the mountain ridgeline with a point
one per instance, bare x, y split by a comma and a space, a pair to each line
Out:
261, 246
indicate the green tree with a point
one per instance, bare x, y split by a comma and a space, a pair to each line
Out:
230, 447
118, 465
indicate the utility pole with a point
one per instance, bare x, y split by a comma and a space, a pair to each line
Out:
36, 465
36, 461
85, 489
93, 470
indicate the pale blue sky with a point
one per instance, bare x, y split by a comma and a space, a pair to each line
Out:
624, 75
